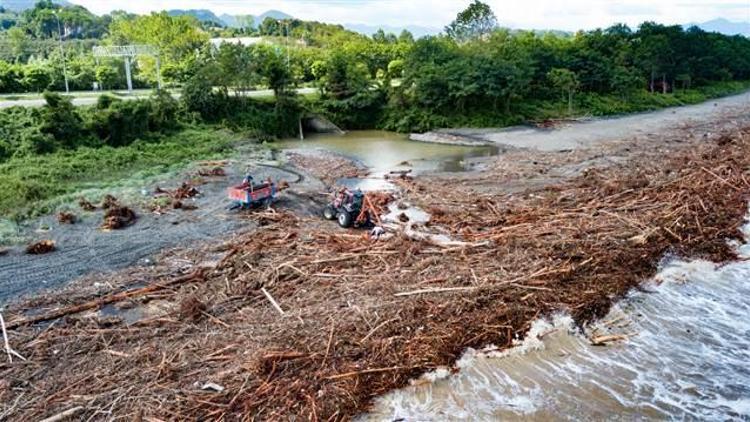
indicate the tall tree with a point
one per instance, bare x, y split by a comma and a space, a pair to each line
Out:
567, 81
476, 22
178, 38
19, 42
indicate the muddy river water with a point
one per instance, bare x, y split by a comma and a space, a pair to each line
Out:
382, 152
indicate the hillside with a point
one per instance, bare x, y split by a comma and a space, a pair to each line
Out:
21, 5
203, 15
232, 21
725, 27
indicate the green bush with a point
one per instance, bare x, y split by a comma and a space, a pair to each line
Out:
61, 120
36, 78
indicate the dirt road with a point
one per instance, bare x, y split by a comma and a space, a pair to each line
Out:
595, 132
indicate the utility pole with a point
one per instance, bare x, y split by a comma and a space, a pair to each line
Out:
62, 53
287, 45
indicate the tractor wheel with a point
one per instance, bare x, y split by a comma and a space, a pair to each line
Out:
329, 213
345, 219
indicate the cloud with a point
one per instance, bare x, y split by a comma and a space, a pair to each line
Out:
532, 14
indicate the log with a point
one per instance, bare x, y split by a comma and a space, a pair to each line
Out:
63, 415
117, 297
272, 300
436, 290
5, 339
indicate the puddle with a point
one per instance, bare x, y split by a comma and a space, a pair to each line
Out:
383, 152
413, 215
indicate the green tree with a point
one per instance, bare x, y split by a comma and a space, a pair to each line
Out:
37, 78
178, 38
476, 22
396, 68
406, 37
107, 76
567, 81
625, 81
11, 77
19, 42
238, 67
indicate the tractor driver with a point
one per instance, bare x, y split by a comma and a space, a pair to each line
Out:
248, 181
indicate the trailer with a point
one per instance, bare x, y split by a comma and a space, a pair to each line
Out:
250, 195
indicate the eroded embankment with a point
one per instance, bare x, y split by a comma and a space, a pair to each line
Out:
358, 318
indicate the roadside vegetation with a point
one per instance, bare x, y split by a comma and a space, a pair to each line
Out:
475, 74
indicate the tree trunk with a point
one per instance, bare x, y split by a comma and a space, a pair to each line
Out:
652, 81
664, 84
570, 101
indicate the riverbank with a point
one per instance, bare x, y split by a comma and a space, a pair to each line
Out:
327, 320
667, 365
593, 132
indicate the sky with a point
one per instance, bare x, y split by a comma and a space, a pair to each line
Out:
527, 14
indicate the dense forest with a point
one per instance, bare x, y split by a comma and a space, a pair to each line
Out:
474, 74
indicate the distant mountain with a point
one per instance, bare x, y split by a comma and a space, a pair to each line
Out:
273, 14
233, 21
203, 15
724, 26
21, 5
417, 31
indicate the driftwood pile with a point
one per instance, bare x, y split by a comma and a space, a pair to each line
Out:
327, 167
116, 216
214, 172
299, 320
42, 247
86, 205
66, 218
177, 196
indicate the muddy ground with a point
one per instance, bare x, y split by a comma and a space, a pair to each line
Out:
84, 249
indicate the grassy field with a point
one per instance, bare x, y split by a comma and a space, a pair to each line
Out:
36, 185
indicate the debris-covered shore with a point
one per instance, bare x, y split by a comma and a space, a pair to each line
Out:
297, 319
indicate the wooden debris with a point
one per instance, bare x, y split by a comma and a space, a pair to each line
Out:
118, 217
66, 218
272, 300
578, 245
97, 303
86, 205
42, 247
604, 340
214, 172
64, 415
109, 201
